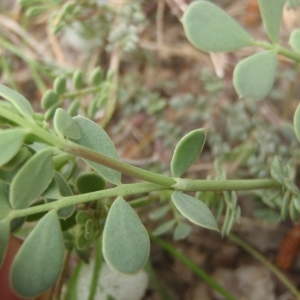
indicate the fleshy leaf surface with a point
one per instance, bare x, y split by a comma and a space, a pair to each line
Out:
271, 12
95, 138
65, 125
126, 242
39, 261
295, 40
10, 143
194, 210
32, 179
209, 28
254, 76
20, 102
186, 151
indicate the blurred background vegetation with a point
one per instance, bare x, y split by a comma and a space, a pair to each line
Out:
130, 68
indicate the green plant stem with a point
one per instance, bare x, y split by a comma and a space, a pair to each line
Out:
137, 188
224, 185
86, 91
97, 269
32, 127
86, 153
60, 281
267, 263
279, 49
193, 267
71, 292
122, 190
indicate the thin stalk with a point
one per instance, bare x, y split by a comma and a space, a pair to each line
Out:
122, 190
60, 281
71, 292
97, 269
224, 185
193, 267
8, 72
279, 49
104, 160
33, 127
37, 78
86, 91
267, 263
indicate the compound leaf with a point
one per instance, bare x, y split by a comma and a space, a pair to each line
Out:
186, 151
95, 138
10, 143
209, 28
32, 179
254, 76
20, 102
271, 12
194, 210
125, 240
39, 261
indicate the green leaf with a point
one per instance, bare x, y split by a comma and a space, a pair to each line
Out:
159, 212
294, 213
209, 28
32, 179
60, 85
254, 76
297, 122
295, 40
4, 239
39, 261
65, 191
78, 81
186, 151
73, 107
164, 228
182, 230
10, 143
7, 176
125, 240
4, 206
89, 182
82, 216
19, 101
271, 12
96, 76
64, 124
23, 155
49, 98
36, 10
95, 138
277, 170
194, 210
